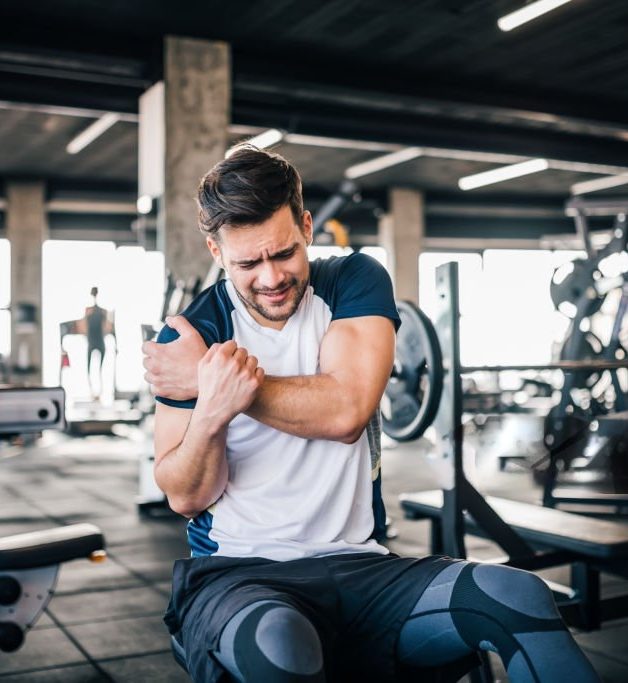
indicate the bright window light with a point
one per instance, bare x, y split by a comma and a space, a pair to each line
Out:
266, 139
131, 284
93, 131
527, 13
378, 253
380, 163
506, 316
323, 251
498, 175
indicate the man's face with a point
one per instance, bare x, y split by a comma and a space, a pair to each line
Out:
267, 264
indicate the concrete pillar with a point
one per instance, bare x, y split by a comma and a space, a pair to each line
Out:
401, 233
27, 228
183, 133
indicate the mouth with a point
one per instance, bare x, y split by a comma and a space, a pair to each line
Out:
277, 296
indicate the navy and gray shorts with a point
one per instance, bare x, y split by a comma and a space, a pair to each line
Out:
357, 602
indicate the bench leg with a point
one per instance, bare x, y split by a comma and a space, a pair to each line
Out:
586, 582
436, 536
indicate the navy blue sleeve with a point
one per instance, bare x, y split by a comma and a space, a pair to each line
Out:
167, 335
364, 288
210, 314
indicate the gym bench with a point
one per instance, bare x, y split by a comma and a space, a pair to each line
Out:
29, 565
588, 545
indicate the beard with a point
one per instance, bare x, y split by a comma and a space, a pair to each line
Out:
283, 310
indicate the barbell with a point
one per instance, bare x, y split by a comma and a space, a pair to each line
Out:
413, 392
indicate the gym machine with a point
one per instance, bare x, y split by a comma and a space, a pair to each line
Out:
533, 537
590, 415
30, 562
592, 409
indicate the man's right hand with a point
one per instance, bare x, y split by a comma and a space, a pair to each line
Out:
228, 381
171, 369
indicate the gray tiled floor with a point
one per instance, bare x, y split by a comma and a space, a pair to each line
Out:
104, 623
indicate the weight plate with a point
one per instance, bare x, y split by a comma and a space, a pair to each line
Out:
570, 283
412, 395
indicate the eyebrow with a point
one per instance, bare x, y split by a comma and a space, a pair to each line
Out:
279, 254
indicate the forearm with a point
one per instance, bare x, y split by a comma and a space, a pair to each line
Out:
309, 406
194, 475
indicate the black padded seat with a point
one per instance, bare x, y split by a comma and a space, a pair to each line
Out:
51, 546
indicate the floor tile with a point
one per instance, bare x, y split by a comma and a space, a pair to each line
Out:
107, 639
160, 668
107, 605
48, 647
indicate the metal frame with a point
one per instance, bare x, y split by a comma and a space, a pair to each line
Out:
581, 604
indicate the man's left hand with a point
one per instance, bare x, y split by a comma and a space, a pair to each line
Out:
171, 369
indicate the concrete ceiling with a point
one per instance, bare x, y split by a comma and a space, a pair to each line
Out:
433, 73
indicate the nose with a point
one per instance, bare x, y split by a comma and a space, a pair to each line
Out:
270, 277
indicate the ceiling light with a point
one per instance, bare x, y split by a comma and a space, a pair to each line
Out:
380, 163
144, 204
498, 175
93, 131
268, 138
600, 184
527, 13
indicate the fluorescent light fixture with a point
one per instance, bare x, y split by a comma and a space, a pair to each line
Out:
144, 204
268, 138
527, 13
600, 184
498, 175
93, 131
380, 163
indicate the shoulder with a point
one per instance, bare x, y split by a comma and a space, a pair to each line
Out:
353, 286
210, 313
346, 274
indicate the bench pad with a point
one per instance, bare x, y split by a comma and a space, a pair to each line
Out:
52, 546
545, 526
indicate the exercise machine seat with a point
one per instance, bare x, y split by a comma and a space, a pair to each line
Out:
51, 546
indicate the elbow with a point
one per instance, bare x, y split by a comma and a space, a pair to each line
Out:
350, 428
190, 507
351, 438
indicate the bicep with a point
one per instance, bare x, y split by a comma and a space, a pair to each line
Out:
360, 353
170, 427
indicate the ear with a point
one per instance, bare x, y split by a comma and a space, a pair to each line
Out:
308, 227
214, 250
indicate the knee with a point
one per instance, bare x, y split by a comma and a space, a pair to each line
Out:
521, 590
289, 640
273, 642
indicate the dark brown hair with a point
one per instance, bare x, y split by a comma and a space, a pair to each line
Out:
246, 189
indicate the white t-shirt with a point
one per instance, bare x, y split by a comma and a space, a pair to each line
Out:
289, 497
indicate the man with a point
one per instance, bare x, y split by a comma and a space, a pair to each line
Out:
98, 326
265, 438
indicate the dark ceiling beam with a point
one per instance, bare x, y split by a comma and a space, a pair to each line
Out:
44, 90
406, 129
434, 92
366, 106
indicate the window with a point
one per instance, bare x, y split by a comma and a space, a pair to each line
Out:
130, 284
506, 313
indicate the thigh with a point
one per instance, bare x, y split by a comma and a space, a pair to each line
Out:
377, 593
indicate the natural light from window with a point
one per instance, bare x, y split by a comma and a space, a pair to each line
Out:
130, 285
